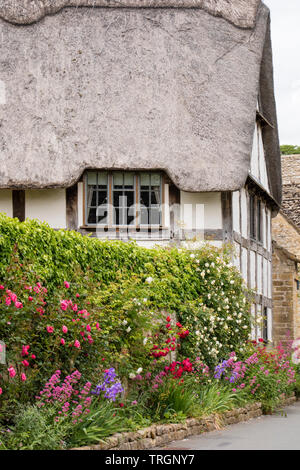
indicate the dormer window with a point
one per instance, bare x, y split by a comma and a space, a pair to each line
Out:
122, 199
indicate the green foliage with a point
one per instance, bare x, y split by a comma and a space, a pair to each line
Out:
35, 429
174, 399
127, 283
289, 149
216, 398
102, 421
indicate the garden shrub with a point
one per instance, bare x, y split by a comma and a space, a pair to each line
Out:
113, 299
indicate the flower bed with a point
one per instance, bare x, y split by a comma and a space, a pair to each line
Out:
161, 434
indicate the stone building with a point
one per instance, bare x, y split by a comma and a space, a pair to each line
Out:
286, 254
146, 119
286, 259
291, 187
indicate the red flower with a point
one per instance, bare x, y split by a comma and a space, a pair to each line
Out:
121, 405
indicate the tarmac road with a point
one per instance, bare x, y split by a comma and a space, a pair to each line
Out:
280, 431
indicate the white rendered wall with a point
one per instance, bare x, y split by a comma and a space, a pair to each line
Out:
191, 211
6, 202
258, 168
236, 211
244, 213
47, 205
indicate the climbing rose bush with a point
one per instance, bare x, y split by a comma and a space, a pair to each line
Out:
44, 332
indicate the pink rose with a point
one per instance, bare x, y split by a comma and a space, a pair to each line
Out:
33, 356
67, 285
65, 329
30, 298
25, 363
11, 371
0, 391
76, 344
62, 341
23, 377
50, 329
18, 305
25, 350
64, 305
88, 328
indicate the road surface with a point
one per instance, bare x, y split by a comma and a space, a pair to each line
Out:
280, 431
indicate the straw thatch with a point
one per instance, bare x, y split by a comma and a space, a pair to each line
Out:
240, 12
172, 89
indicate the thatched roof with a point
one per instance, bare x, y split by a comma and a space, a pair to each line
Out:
135, 88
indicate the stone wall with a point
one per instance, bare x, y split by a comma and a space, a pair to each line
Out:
286, 311
291, 187
286, 234
161, 434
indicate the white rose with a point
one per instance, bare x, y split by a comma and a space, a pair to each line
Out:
149, 279
139, 370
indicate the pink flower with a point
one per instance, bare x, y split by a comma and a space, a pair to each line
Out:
67, 285
65, 329
30, 298
97, 326
25, 350
11, 371
0, 391
1, 288
62, 341
77, 295
50, 329
76, 343
33, 356
23, 377
64, 305
25, 363
18, 305
88, 328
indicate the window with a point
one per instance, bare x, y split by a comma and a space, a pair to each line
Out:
265, 325
118, 198
255, 219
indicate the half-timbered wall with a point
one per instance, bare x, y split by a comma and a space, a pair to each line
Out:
252, 256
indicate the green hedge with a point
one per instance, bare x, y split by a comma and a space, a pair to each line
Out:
204, 290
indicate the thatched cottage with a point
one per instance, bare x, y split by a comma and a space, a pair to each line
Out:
146, 119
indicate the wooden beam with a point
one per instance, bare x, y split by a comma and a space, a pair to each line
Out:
18, 200
72, 207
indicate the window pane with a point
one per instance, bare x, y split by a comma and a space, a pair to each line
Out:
155, 179
102, 215
102, 197
92, 196
118, 180
155, 196
92, 216
144, 198
118, 198
130, 216
145, 179
144, 216
154, 216
102, 179
92, 178
128, 180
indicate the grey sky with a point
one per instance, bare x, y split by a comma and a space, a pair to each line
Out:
285, 18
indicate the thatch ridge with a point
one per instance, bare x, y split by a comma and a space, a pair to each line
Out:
242, 13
